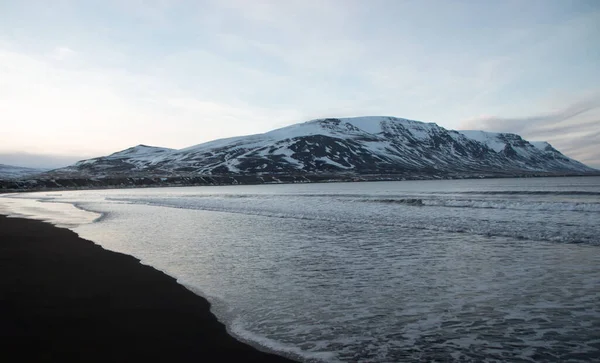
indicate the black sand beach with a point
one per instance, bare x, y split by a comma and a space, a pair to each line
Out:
63, 298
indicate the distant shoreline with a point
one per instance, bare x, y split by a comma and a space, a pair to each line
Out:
67, 299
129, 182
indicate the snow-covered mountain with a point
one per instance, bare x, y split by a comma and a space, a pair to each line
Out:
133, 159
362, 145
14, 172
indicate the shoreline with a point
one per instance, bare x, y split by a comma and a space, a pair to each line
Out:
66, 298
156, 182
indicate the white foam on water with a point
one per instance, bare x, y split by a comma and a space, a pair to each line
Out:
61, 214
516, 205
237, 328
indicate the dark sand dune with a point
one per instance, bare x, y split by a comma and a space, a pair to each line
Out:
63, 298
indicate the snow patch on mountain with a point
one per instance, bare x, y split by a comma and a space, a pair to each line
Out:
16, 172
142, 153
542, 145
490, 139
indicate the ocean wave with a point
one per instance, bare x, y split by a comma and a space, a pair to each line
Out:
101, 215
527, 192
492, 204
452, 226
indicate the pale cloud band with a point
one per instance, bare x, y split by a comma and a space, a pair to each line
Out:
574, 129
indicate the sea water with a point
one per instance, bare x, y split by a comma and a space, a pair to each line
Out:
465, 270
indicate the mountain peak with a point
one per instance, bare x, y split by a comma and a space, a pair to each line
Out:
373, 124
140, 149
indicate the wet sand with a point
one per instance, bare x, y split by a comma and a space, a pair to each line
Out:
63, 298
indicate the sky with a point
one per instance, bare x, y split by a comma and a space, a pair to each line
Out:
86, 78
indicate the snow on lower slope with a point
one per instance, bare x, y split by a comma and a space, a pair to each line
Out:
314, 127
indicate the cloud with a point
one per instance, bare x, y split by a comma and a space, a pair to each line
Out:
583, 147
573, 130
86, 109
62, 53
46, 161
524, 124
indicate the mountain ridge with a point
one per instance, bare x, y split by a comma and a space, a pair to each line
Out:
360, 145
321, 150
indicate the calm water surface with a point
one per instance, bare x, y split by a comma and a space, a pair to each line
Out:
471, 270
